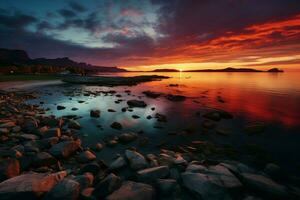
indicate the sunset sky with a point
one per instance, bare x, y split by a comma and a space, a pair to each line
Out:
148, 34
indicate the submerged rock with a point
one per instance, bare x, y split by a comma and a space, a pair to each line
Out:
95, 113
172, 97
152, 94
125, 138
136, 103
132, 190
116, 125
60, 107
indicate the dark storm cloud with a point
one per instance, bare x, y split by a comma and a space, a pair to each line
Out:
77, 7
67, 13
16, 20
181, 19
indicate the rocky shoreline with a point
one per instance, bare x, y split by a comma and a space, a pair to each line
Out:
41, 157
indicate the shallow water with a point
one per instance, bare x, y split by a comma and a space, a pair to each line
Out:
272, 99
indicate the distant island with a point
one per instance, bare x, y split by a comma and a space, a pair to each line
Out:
228, 69
18, 61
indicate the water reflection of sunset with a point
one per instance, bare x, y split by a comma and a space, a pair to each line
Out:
256, 96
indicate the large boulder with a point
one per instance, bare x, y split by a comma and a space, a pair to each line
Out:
65, 190
65, 149
132, 190
204, 186
136, 160
107, 186
29, 186
264, 185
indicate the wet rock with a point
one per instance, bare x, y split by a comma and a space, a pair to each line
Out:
74, 109
272, 169
86, 180
74, 124
86, 156
132, 190
135, 116
118, 163
9, 168
136, 160
152, 174
136, 103
107, 186
166, 186
29, 186
29, 137
86, 194
149, 117
44, 159
112, 143
116, 125
172, 97
93, 168
97, 147
8, 124
151, 94
52, 132
111, 110
264, 185
65, 190
195, 168
60, 107
30, 125
125, 138
204, 186
161, 117
65, 149
95, 113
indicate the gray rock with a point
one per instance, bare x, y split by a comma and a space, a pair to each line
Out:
86, 156
136, 160
152, 174
205, 186
44, 159
29, 186
86, 180
107, 186
132, 190
166, 186
65, 190
118, 163
65, 149
264, 185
